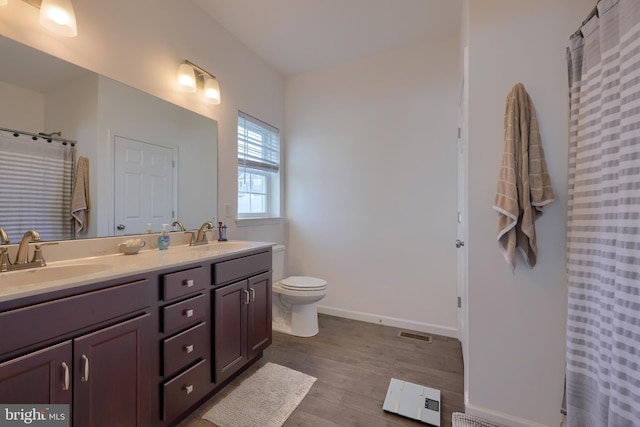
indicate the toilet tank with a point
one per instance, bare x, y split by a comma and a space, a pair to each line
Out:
277, 262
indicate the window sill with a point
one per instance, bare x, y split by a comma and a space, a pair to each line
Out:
247, 222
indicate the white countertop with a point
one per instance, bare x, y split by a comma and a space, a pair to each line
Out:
57, 275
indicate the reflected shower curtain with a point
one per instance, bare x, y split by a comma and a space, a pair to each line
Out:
603, 228
35, 187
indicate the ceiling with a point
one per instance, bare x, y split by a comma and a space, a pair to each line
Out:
296, 36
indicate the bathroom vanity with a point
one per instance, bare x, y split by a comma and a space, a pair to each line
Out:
140, 342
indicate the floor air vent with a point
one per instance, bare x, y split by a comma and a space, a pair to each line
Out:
413, 336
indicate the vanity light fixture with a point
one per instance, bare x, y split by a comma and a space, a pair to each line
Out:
186, 78
57, 16
191, 77
212, 90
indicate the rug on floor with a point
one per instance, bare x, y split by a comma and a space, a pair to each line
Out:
265, 399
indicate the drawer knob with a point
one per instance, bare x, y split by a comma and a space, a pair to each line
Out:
189, 312
188, 283
188, 348
188, 388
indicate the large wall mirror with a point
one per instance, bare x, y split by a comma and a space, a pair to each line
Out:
41, 93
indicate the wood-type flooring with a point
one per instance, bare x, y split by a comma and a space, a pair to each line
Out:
353, 362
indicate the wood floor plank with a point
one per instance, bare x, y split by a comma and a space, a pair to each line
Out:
354, 362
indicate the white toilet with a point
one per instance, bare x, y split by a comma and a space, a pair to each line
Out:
295, 299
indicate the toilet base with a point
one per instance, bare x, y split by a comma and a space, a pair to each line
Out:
300, 320
304, 320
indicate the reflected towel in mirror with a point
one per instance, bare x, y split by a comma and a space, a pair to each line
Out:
80, 196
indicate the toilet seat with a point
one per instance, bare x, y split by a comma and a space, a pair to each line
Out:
303, 283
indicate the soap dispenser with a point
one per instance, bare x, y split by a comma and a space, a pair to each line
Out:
163, 238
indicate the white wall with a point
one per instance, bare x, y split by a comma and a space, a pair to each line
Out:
371, 185
142, 44
26, 114
517, 321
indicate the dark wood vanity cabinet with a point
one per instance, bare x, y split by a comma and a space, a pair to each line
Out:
111, 375
99, 364
185, 343
43, 376
241, 312
139, 352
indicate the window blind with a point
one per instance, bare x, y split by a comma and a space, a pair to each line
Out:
258, 144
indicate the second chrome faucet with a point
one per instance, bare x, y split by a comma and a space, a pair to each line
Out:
201, 235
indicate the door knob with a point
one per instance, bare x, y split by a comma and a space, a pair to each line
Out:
459, 243
120, 227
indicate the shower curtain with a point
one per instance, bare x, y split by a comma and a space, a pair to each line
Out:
35, 187
603, 226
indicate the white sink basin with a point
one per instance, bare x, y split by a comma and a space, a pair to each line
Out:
49, 273
222, 246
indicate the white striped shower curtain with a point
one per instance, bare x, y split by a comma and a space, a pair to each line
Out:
603, 228
35, 187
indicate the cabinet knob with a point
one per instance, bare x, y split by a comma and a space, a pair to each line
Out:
188, 313
188, 283
188, 348
188, 388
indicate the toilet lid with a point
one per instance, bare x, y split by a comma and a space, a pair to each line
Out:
303, 283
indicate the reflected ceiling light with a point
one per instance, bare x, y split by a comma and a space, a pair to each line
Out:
191, 77
57, 16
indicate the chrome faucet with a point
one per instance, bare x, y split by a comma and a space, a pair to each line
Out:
201, 236
179, 224
23, 249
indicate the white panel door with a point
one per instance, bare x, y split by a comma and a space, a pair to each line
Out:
144, 186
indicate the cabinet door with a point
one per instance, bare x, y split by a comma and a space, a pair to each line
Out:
40, 377
112, 376
259, 325
230, 336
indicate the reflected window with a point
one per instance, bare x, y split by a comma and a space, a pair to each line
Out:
258, 168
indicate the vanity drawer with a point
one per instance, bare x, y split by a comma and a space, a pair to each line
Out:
184, 348
185, 390
184, 282
184, 313
24, 326
239, 268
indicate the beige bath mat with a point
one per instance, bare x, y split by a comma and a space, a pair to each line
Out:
265, 399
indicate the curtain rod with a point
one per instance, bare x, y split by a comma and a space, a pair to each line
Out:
594, 12
46, 137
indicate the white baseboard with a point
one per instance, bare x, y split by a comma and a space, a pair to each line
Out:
502, 418
390, 321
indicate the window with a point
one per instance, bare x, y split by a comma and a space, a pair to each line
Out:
258, 168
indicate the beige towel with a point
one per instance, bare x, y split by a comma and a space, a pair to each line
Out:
524, 186
80, 197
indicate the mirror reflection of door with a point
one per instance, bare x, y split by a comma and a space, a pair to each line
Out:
144, 186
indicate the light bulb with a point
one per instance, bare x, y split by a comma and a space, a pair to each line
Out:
58, 16
212, 91
186, 78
